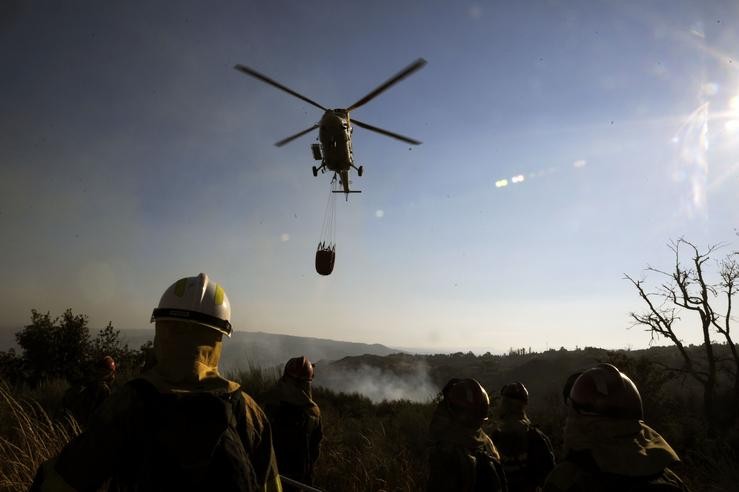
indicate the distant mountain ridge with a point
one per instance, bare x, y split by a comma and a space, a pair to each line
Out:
246, 348
418, 376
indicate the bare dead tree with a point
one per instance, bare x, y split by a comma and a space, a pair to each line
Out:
686, 289
728, 285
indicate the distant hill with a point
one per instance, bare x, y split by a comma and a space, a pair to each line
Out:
420, 377
255, 348
267, 349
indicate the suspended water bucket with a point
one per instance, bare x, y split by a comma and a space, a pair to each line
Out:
326, 250
325, 257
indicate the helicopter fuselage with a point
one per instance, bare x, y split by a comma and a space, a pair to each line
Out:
335, 127
335, 135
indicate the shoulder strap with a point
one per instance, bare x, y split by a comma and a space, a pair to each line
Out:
238, 409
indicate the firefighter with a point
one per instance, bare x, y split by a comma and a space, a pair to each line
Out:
462, 458
607, 444
296, 421
526, 453
83, 400
181, 425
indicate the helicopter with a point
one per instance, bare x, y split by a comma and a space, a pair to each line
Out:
335, 128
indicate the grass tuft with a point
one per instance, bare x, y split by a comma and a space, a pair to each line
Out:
29, 437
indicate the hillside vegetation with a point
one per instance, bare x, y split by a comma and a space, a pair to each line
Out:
376, 409
382, 446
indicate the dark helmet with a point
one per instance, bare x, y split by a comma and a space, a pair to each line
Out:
104, 368
106, 364
516, 390
568, 386
467, 398
299, 368
604, 390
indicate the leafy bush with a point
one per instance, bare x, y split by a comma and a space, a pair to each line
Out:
62, 347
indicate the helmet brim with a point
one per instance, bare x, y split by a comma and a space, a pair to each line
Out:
221, 325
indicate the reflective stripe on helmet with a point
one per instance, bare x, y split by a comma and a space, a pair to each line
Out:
193, 316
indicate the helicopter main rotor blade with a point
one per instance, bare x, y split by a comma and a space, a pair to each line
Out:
293, 137
397, 78
385, 132
264, 78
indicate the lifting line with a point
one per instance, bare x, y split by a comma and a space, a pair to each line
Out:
328, 230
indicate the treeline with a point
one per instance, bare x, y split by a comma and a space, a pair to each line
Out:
63, 347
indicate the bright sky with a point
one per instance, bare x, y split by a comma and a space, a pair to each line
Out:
132, 154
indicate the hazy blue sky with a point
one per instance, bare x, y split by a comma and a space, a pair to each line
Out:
133, 154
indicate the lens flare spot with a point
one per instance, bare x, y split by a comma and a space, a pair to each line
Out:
501, 183
579, 163
710, 88
518, 179
379, 213
284, 237
474, 12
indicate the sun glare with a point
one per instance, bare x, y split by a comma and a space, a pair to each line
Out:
732, 126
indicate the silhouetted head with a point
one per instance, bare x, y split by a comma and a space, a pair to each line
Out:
299, 371
467, 401
515, 391
105, 368
604, 390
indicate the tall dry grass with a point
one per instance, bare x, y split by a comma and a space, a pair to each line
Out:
367, 446
28, 437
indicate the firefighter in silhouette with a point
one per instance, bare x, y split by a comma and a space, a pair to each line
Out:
462, 458
83, 400
526, 453
296, 421
179, 426
607, 445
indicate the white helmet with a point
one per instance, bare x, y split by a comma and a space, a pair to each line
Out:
198, 300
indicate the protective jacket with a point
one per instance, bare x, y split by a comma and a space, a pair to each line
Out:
296, 429
606, 454
525, 452
82, 401
114, 447
461, 459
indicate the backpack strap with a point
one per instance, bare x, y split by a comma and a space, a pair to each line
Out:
237, 419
